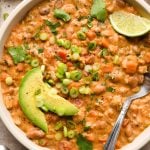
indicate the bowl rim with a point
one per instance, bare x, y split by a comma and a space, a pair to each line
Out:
16, 15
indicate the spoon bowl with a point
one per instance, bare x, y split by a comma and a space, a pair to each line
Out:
145, 89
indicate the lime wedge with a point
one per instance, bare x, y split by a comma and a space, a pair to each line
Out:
129, 24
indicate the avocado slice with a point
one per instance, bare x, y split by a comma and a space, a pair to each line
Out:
30, 84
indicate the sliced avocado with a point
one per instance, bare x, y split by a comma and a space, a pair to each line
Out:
59, 105
31, 85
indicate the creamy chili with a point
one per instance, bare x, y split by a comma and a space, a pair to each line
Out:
112, 68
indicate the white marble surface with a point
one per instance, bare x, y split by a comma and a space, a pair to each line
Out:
5, 137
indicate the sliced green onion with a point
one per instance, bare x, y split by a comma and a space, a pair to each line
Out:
71, 124
71, 134
84, 90
51, 82
88, 68
9, 81
60, 42
67, 44
75, 49
43, 36
65, 131
58, 125
75, 56
87, 80
63, 43
52, 40
59, 76
58, 85
84, 29
64, 89
67, 75
92, 46
61, 68
103, 52
96, 66
28, 59
89, 23
95, 76
81, 35
76, 75
66, 82
73, 92
58, 136
116, 60
35, 63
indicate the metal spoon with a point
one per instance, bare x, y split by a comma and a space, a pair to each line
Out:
145, 89
2, 147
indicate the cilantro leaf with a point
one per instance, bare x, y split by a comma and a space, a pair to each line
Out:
110, 89
98, 10
38, 30
83, 143
17, 53
52, 26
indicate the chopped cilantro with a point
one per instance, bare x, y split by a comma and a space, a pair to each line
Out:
40, 50
95, 76
98, 10
87, 128
52, 26
5, 16
110, 89
38, 30
89, 23
83, 143
26, 46
18, 54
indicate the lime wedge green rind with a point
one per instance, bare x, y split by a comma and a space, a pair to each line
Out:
129, 24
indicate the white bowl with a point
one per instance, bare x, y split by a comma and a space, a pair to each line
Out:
5, 30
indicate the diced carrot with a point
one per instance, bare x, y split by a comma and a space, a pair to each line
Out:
105, 42
131, 67
20, 67
91, 35
75, 84
90, 137
3, 76
48, 53
130, 64
69, 64
107, 68
98, 88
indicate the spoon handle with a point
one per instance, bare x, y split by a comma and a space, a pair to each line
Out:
110, 144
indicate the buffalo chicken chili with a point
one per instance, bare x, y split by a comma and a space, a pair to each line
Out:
65, 73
